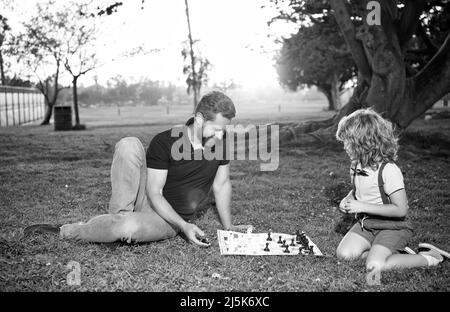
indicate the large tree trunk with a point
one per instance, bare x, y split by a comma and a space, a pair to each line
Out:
335, 94
382, 79
326, 90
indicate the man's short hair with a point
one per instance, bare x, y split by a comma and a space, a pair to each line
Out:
213, 103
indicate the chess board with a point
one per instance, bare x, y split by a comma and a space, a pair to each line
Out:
256, 244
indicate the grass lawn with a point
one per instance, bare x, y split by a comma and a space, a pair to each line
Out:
61, 177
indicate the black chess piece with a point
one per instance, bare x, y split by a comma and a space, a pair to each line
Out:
304, 240
287, 249
280, 241
268, 237
267, 247
204, 240
292, 242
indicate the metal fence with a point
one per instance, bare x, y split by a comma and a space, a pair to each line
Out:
19, 105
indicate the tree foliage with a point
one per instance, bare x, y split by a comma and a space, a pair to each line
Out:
403, 61
316, 56
196, 71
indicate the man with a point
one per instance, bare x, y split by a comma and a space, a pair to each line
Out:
154, 193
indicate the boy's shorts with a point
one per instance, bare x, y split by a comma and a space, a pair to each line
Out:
394, 240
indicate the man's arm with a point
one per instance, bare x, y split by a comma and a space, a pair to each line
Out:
222, 194
156, 179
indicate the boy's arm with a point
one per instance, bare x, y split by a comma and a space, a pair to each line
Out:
396, 209
344, 200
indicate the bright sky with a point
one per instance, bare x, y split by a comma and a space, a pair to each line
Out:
233, 35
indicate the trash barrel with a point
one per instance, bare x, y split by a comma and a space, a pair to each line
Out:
63, 117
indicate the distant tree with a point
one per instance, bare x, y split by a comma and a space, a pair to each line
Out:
317, 56
39, 48
197, 67
196, 72
4, 28
226, 85
78, 31
16, 81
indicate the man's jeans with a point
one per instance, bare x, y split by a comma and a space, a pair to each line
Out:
130, 216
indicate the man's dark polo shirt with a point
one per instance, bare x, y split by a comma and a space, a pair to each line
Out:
188, 180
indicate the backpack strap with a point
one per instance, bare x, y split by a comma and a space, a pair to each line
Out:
353, 182
384, 196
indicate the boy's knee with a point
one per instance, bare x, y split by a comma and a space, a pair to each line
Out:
376, 265
346, 254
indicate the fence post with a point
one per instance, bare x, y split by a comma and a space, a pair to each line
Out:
29, 107
34, 105
13, 108
6, 107
18, 107
42, 106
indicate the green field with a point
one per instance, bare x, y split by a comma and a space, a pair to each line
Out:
61, 177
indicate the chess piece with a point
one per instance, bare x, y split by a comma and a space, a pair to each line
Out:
279, 240
267, 247
287, 249
203, 239
292, 242
268, 237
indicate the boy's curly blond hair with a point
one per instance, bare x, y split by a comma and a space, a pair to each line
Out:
368, 138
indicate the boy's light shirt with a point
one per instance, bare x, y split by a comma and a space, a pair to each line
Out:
367, 189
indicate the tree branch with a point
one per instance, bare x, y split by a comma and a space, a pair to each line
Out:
409, 21
426, 40
427, 87
348, 30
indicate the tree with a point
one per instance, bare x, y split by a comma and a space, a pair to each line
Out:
79, 32
40, 48
317, 56
383, 36
226, 85
196, 69
4, 27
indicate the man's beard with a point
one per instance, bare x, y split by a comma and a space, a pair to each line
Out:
206, 141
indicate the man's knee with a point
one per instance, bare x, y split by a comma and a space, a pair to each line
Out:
130, 228
125, 227
129, 144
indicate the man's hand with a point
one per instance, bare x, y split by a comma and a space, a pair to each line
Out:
353, 206
240, 228
194, 234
